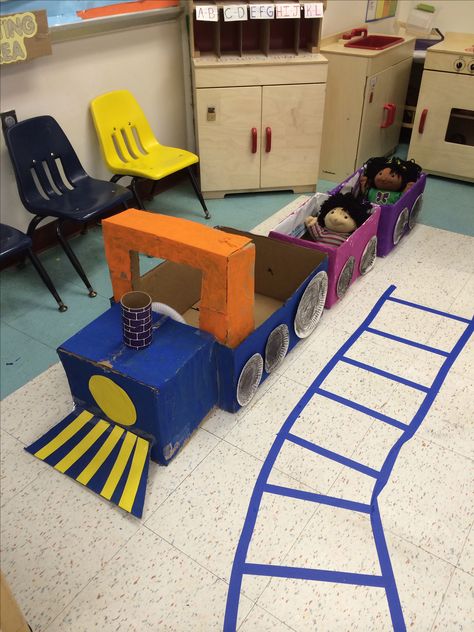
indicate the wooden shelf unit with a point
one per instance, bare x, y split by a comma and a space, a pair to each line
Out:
250, 37
258, 91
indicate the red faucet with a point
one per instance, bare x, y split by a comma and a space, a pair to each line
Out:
350, 34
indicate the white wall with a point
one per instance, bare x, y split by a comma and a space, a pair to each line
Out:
148, 60
450, 15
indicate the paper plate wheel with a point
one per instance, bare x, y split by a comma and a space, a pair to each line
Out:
311, 305
367, 261
415, 211
400, 226
345, 277
276, 347
249, 379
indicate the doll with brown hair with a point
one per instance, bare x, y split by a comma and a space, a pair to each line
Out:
384, 180
338, 218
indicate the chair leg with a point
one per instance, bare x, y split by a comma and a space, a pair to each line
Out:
46, 279
74, 260
31, 229
135, 193
197, 190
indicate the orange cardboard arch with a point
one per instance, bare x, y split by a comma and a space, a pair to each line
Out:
227, 263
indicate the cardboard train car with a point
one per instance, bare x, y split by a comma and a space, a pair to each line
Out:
397, 219
346, 262
247, 300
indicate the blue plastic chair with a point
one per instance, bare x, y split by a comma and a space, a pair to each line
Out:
14, 242
52, 182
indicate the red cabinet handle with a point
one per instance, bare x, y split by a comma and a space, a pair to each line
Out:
421, 125
254, 140
268, 144
391, 109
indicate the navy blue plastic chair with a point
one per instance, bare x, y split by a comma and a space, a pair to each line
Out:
13, 242
52, 182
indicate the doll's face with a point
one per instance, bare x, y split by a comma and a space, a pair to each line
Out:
388, 180
339, 220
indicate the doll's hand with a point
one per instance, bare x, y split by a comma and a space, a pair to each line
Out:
363, 183
309, 221
409, 186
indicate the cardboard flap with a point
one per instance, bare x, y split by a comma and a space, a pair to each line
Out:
106, 458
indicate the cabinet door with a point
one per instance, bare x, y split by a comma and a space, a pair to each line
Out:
225, 118
294, 115
444, 142
386, 87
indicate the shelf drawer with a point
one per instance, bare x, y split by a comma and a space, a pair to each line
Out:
259, 75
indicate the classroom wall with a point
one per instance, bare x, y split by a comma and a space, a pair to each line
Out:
151, 61
148, 60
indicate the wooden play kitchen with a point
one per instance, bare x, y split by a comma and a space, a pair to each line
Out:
259, 86
442, 139
366, 88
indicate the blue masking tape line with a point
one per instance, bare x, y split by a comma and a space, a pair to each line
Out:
387, 579
382, 373
387, 467
314, 574
429, 309
391, 591
235, 582
334, 456
317, 498
408, 342
363, 409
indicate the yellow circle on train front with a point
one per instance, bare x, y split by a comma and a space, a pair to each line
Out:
113, 400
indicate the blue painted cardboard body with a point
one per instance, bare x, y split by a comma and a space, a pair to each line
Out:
172, 383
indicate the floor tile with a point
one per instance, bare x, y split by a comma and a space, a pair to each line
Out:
466, 559
259, 620
138, 592
256, 432
336, 539
67, 535
429, 498
421, 581
22, 359
456, 612
36, 407
377, 393
18, 469
305, 606
54, 327
449, 420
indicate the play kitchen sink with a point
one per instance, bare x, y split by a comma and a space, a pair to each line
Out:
370, 42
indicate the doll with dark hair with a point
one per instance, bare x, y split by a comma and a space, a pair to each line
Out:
338, 218
385, 180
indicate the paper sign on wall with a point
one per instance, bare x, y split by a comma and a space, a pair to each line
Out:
287, 11
207, 13
313, 10
24, 36
235, 12
262, 11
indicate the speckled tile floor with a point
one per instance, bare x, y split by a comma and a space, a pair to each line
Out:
78, 564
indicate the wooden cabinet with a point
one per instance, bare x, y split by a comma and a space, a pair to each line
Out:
442, 139
365, 99
259, 90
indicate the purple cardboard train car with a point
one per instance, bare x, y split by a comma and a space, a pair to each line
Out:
355, 257
396, 220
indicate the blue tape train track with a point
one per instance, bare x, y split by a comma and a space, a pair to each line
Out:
386, 579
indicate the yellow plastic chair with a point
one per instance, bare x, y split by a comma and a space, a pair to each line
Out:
130, 148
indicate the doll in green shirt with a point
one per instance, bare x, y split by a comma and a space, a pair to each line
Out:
385, 180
